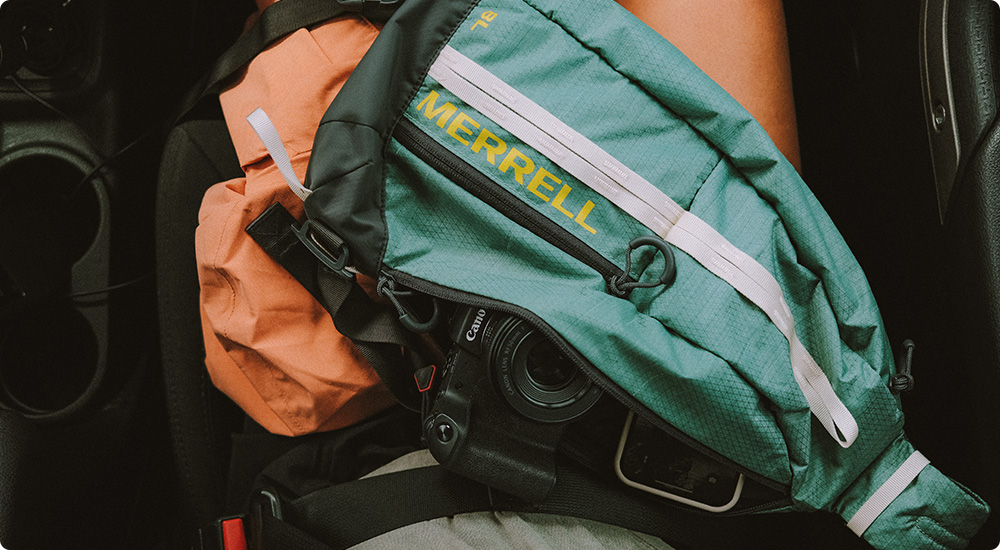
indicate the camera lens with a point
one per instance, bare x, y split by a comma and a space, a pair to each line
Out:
548, 369
543, 375
535, 377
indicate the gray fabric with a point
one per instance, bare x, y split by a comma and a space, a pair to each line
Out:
503, 529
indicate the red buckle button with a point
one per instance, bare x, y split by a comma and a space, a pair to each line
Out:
233, 536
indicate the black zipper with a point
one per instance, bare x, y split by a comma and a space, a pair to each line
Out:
595, 374
485, 189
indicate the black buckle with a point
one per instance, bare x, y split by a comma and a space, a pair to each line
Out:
335, 263
226, 533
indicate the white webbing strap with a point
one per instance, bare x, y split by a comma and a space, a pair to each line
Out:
268, 134
884, 495
642, 200
701, 242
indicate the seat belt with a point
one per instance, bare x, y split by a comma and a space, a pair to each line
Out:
274, 23
341, 516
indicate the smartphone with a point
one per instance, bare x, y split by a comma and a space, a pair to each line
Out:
653, 461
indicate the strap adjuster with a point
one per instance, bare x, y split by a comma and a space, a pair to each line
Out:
338, 264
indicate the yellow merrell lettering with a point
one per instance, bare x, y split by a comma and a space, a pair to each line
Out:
560, 197
456, 125
582, 217
540, 182
540, 176
444, 112
520, 170
484, 20
492, 150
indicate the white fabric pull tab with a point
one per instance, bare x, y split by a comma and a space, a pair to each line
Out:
268, 134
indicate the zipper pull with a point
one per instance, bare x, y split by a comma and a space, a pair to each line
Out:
387, 289
622, 285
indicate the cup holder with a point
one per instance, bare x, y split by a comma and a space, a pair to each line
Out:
48, 220
54, 227
49, 360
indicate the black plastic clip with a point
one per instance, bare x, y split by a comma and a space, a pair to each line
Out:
425, 378
387, 289
335, 263
903, 380
621, 286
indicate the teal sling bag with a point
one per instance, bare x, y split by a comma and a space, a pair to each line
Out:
559, 162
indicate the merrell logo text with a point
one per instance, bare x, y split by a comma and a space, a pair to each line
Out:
537, 180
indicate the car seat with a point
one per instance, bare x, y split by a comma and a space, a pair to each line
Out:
865, 153
197, 154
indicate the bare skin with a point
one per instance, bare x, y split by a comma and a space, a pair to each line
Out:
742, 45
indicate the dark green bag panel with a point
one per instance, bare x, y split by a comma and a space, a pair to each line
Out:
697, 353
353, 138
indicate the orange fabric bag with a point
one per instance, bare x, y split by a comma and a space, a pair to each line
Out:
269, 345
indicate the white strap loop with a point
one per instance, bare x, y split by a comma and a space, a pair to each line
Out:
268, 134
888, 492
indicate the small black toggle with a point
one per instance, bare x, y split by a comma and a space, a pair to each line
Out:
903, 380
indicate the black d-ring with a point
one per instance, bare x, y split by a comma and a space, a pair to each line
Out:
621, 288
670, 266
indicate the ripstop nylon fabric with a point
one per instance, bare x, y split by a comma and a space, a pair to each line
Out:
697, 353
614, 181
728, 356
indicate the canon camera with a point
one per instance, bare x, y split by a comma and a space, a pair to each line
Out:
503, 401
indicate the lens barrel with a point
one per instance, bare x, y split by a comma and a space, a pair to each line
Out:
534, 376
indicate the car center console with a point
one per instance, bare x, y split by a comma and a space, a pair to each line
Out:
86, 88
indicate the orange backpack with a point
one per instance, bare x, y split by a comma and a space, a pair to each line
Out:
270, 346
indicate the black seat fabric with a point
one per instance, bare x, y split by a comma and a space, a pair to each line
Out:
197, 154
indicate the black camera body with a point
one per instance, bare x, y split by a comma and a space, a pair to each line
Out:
503, 402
